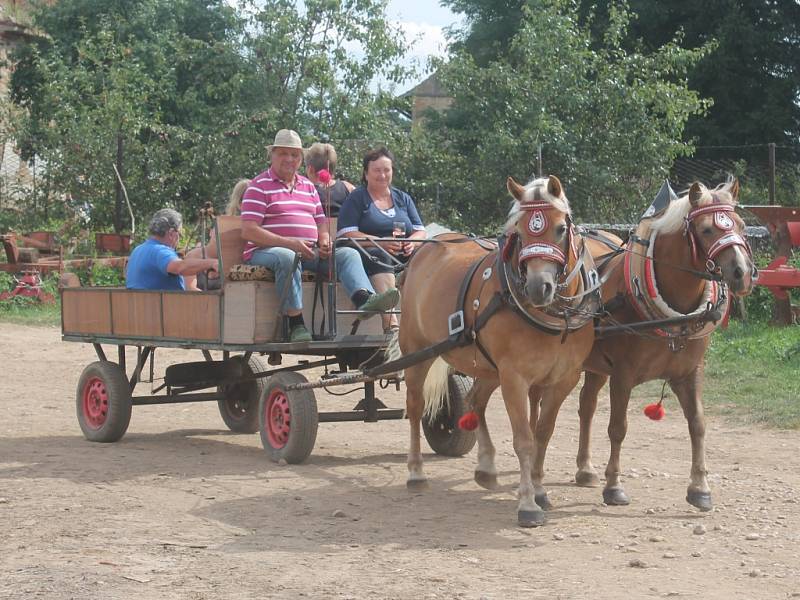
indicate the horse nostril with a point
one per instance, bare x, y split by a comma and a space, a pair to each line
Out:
547, 289
738, 273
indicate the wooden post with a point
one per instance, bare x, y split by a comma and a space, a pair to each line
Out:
772, 173
118, 187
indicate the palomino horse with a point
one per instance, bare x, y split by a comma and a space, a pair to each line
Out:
504, 349
670, 268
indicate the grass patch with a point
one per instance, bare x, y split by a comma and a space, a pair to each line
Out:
33, 314
752, 374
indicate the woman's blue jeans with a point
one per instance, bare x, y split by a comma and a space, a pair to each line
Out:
348, 267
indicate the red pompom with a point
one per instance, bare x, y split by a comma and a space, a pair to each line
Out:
469, 421
324, 176
655, 411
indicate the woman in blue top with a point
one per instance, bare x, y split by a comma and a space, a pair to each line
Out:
375, 209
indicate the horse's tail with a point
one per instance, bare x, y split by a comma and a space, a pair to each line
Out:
436, 389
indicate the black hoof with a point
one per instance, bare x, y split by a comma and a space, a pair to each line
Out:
700, 500
615, 497
417, 485
587, 479
486, 480
543, 501
530, 518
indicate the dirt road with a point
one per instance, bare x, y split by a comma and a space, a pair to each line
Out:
180, 508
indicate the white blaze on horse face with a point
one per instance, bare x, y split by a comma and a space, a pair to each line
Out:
736, 268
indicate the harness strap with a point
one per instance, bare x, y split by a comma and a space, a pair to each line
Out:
459, 334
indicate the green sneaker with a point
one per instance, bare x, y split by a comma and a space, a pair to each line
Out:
299, 333
381, 302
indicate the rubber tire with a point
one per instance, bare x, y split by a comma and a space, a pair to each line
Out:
444, 435
303, 418
118, 391
245, 419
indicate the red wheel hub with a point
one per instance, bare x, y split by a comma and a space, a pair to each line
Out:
277, 420
95, 403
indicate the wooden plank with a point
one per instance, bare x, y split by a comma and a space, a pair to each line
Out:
251, 308
86, 310
191, 315
136, 313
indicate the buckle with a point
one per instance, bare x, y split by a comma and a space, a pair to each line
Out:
455, 322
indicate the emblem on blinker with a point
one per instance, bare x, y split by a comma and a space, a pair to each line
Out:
723, 221
537, 223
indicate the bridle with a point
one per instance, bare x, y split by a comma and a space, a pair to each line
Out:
537, 225
729, 238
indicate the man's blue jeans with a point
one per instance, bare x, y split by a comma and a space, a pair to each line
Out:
348, 266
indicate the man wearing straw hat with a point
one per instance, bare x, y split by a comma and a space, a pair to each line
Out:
282, 216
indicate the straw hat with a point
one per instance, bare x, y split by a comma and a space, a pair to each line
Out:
286, 138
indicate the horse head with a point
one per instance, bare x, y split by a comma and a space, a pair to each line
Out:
716, 233
541, 222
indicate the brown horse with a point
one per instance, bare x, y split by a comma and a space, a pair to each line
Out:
507, 350
664, 272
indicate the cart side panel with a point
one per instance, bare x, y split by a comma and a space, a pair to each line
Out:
137, 313
191, 315
86, 310
251, 308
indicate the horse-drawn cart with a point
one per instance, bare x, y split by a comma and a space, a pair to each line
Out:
241, 320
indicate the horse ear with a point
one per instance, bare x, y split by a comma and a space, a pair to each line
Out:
554, 187
515, 189
734, 189
695, 193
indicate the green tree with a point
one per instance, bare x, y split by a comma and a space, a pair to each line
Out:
609, 121
752, 73
183, 96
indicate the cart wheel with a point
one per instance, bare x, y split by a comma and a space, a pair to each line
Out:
289, 418
239, 408
443, 434
103, 402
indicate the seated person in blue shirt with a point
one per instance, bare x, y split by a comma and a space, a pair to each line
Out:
375, 209
155, 265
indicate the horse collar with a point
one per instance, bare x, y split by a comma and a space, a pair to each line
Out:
646, 299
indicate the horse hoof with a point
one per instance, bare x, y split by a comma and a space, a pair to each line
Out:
543, 501
615, 497
530, 518
486, 480
417, 485
587, 479
700, 500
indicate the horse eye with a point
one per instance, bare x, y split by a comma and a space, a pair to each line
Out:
561, 230
708, 231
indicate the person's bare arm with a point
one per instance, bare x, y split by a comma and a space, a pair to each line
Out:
253, 232
191, 266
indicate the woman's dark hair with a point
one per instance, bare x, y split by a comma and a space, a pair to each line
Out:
372, 156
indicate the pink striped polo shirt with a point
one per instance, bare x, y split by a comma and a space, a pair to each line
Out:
292, 213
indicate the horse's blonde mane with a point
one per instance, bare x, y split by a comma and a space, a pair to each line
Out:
536, 189
674, 219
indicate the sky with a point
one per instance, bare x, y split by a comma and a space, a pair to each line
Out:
424, 22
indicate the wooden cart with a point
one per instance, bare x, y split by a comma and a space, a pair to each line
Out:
241, 320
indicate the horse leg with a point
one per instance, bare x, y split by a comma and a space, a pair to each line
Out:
586, 476
689, 391
415, 402
552, 399
485, 471
620, 394
535, 399
515, 391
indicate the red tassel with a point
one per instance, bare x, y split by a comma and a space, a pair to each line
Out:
655, 411
468, 421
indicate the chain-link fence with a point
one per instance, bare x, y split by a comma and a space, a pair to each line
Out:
17, 180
